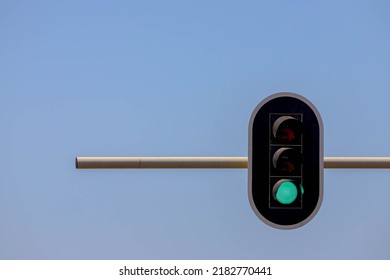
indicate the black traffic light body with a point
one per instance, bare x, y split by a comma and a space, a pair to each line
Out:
285, 160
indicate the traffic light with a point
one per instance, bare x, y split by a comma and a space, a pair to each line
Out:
285, 160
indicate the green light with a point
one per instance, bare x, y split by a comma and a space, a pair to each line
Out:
286, 193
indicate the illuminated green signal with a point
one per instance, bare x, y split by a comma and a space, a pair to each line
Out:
286, 193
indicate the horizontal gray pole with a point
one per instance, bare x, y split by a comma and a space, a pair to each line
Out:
215, 162
357, 162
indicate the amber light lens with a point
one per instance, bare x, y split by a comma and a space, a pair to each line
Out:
287, 160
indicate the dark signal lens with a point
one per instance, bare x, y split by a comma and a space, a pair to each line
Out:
287, 161
287, 129
285, 134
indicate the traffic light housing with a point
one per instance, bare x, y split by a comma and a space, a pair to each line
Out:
285, 160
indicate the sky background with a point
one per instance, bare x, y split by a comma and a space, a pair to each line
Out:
181, 78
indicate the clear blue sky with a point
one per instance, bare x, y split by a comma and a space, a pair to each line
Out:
181, 78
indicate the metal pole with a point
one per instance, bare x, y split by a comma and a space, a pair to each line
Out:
215, 162
357, 162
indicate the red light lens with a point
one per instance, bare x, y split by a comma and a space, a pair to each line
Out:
288, 130
285, 134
